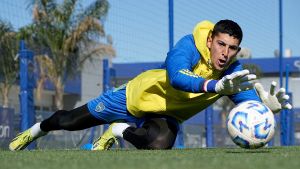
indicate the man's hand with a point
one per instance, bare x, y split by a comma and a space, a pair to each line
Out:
235, 82
276, 102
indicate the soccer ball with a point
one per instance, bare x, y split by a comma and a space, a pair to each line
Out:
251, 124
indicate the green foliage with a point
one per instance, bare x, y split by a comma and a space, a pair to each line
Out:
67, 35
9, 67
8, 51
63, 36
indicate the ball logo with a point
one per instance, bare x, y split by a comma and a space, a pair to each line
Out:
258, 107
262, 130
239, 121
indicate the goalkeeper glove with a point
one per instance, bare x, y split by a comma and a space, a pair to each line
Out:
231, 84
276, 102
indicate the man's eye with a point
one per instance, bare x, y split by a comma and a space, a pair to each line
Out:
233, 48
221, 44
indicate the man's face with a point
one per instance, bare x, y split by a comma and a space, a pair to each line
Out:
223, 48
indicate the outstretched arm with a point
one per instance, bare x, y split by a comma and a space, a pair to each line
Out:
276, 101
234, 83
179, 65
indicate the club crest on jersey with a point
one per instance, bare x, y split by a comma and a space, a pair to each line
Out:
100, 107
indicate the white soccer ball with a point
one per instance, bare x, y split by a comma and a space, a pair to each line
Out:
251, 124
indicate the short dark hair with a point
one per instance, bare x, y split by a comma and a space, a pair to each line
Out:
229, 27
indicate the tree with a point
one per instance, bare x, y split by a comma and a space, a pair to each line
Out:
63, 38
8, 65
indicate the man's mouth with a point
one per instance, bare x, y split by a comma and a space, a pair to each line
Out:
222, 62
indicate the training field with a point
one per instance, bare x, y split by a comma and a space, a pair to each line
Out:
217, 158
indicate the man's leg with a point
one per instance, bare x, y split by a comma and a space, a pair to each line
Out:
155, 133
76, 119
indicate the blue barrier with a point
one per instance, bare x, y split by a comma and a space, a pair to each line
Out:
6, 126
209, 126
26, 97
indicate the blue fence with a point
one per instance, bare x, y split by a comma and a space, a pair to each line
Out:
7, 126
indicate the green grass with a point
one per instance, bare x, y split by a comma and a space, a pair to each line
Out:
215, 158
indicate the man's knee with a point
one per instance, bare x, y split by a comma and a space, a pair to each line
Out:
166, 137
166, 143
155, 133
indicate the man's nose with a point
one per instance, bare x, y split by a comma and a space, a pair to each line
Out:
226, 51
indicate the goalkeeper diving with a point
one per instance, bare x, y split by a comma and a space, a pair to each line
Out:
146, 111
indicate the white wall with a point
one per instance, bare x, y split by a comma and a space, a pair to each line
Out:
91, 81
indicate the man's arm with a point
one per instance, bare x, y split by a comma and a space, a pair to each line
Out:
276, 101
243, 95
180, 62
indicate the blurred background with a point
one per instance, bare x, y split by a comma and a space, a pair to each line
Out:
61, 53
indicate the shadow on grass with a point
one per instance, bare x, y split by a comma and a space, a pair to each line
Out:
245, 151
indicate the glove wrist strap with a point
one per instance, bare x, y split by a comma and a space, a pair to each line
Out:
209, 86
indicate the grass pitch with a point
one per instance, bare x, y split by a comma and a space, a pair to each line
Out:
214, 158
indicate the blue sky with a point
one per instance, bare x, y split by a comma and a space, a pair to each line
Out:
140, 27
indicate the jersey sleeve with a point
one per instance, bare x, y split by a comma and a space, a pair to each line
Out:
244, 95
179, 64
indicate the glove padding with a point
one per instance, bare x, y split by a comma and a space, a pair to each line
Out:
276, 102
235, 82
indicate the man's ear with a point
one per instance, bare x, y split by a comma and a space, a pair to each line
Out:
209, 42
239, 49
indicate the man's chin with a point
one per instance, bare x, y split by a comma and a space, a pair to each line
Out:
219, 67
